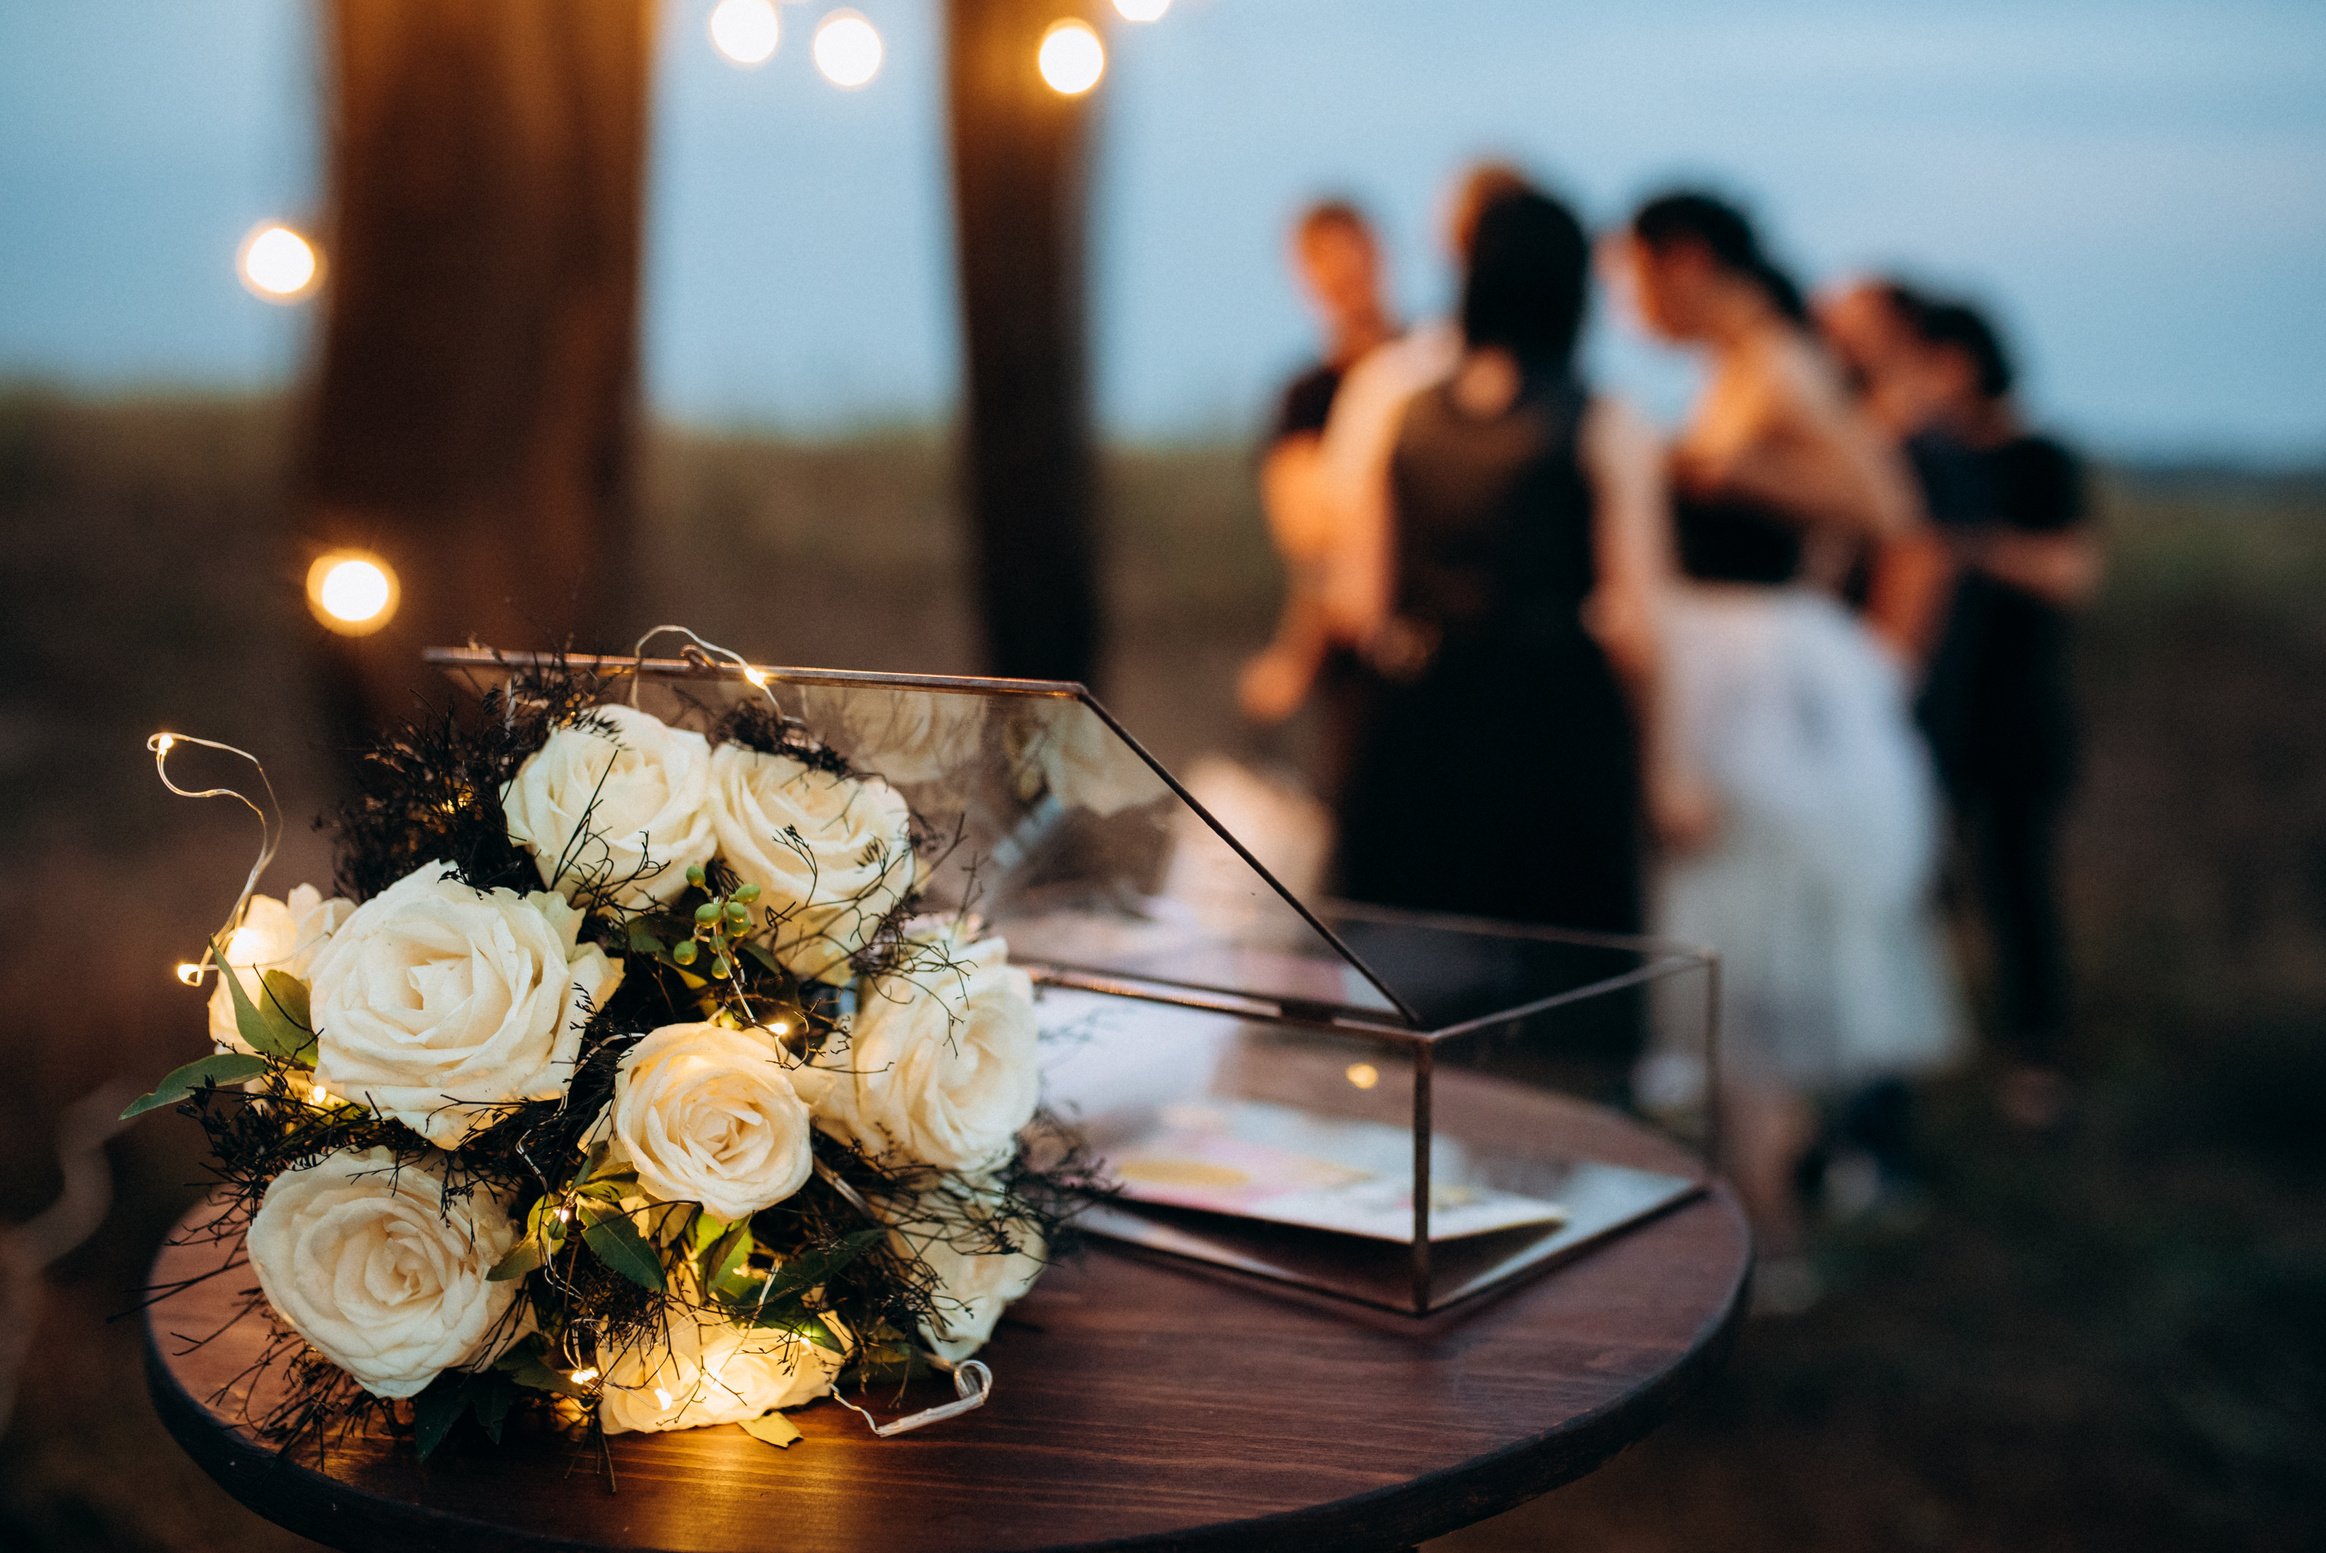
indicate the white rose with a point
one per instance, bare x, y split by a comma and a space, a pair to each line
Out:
708, 1115
832, 855
941, 1066
712, 1372
615, 812
1087, 765
974, 1283
437, 1003
275, 935
905, 735
373, 1264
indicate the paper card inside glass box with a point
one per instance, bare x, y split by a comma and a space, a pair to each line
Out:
1384, 1106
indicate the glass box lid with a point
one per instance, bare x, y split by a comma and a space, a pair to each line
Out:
1049, 822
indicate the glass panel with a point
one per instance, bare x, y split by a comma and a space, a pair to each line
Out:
1294, 1153
1281, 1151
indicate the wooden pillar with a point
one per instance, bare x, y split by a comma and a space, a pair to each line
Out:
472, 417
1029, 469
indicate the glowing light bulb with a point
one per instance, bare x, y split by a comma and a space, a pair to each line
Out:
746, 31
662, 1398
351, 592
278, 264
848, 49
242, 943
564, 1214
584, 1375
1142, 10
1072, 57
189, 973
318, 1095
164, 742
1364, 1075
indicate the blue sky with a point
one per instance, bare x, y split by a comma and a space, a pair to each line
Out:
2139, 187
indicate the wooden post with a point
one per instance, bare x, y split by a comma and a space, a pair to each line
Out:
472, 418
1029, 469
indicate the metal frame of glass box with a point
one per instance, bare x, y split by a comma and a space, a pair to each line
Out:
1311, 1036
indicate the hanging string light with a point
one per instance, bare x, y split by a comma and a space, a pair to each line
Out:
352, 591
277, 263
746, 31
1072, 58
848, 49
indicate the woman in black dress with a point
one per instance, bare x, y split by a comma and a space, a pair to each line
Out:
1503, 774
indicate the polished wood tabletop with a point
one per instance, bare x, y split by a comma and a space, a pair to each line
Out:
1138, 1403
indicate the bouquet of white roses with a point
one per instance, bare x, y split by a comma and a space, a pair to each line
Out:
621, 1075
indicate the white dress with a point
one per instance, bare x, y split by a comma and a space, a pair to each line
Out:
1818, 889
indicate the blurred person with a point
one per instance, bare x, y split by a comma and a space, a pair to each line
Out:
1353, 463
1337, 260
1999, 705
1503, 775
1812, 870
1904, 580
1868, 325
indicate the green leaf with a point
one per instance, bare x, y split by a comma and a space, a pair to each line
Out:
289, 995
810, 1268
268, 1027
217, 1068
543, 1224
643, 939
708, 1229
609, 1188
525, 1367
775, 1429
798, 1322
595, 1159
886, 1357
525, 1256
437, 1409
618, 1244
739, 1289
727, 1258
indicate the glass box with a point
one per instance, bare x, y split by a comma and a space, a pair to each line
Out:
1398, 1109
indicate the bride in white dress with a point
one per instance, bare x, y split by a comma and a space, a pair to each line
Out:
1809, 861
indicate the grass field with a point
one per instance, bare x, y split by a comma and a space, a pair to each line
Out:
2108, 1339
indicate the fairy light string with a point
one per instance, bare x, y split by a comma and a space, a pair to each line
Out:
972, 1384
270, 829
753, 675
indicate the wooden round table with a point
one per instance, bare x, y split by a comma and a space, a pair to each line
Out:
1138, 1403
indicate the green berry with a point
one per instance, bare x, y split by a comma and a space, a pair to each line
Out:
685, 953
708, 911
747, 892
738, 913
720, 965
694, 875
